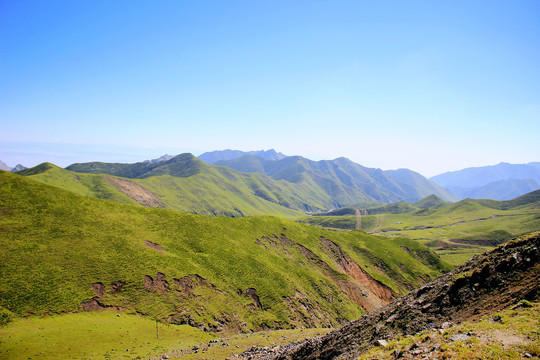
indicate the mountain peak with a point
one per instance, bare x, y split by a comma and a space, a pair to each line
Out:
162, 158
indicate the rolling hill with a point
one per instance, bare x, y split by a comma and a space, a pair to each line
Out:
64, 252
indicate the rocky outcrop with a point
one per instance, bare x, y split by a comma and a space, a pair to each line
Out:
159, 285
486, 284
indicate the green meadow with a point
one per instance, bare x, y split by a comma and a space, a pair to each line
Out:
103, 334
109, 334
455, 231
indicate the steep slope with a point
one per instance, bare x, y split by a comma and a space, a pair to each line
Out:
63, 252
99, 186
484, 285
343, 179
218, 155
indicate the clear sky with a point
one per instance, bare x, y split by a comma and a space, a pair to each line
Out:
432, 86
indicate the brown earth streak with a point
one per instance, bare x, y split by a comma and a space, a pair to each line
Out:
382, 293
135, 191
92, 305
154, 246
486, 284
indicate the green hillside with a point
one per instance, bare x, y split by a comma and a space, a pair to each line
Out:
63, 252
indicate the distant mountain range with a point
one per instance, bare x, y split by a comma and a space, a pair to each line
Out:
6, 167
214, 156
342, 179
498, 182
334, 183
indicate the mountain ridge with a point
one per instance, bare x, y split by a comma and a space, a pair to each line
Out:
378, 185
503, 181
213, 156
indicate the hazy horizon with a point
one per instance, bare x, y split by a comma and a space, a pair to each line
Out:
428, 86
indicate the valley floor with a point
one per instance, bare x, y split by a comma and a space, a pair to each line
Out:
109, 334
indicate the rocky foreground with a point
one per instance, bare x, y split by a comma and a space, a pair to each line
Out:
488, 283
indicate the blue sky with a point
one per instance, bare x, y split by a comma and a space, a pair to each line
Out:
432, 86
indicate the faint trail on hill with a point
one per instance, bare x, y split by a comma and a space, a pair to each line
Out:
378, 223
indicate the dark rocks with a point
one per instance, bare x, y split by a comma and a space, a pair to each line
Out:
92, 305
99, 289
251, 292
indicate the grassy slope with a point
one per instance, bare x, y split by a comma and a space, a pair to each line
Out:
56, 244
223, 191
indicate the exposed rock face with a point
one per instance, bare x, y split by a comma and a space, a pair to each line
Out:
158, 285
92, 305
135, 191
251, 292
99, 289
487, 283
188, 283
376, 294
154, 246
117, 287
